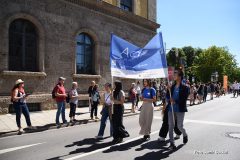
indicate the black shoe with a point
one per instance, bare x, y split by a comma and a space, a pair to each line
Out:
146, 137
185, 139
172, 146
120, 140
114, 140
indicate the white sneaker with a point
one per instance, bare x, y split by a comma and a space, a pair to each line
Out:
20, 130
99, 137
161, 139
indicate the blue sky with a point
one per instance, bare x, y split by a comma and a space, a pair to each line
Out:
200, 23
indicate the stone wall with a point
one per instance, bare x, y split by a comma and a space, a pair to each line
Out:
58, 23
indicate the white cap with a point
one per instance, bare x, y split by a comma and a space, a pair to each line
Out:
61, 78
19, 81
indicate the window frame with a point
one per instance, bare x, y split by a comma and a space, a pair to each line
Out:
29, 64
89, 61
124, 6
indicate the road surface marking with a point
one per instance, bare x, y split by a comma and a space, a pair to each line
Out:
106, 148
17, 148
214, 123
208, 122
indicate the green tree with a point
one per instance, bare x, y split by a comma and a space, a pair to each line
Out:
214, 59
174, 56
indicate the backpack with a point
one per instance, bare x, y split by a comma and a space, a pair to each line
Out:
68, 98
53, 92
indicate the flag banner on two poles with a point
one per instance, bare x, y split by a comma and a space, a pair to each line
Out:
131, 61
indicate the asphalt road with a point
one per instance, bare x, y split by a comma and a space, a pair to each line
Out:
208, 126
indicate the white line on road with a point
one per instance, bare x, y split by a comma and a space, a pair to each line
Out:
17, 148
106, 148
208, 122
213, 123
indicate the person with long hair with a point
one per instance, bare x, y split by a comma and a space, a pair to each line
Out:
18, 98
119, 131
146, 114
177, 106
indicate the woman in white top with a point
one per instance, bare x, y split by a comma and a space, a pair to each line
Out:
106, 111
73, 101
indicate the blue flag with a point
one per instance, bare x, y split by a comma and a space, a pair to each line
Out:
130, 61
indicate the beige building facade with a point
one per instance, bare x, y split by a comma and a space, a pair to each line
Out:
41, 40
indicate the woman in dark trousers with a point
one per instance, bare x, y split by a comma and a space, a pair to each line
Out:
18, 97
205, 92
164, 129
95, 101
119, 131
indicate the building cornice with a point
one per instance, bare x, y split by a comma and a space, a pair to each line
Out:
114, 11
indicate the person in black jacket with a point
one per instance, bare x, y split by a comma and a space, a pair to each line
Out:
177, 106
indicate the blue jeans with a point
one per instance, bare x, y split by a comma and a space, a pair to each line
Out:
19, 109
60, 109
105, 116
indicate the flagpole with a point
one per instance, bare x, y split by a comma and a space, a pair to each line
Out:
169, 89
112, 92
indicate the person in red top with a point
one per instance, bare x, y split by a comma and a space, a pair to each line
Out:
61, 95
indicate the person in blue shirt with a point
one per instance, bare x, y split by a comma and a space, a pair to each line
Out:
146, 114
177, 106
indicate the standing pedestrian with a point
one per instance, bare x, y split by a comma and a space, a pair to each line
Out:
138, 89
235, 89
178, 101
106, 111
146, 114
205, 92
191, 95
119, 131
132, 96
73, 101
95, 99
200, 94
212, 89
90, 90
18, 98
60, 94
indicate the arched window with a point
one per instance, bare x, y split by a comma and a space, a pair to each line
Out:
126, 5
84, 54
23, 40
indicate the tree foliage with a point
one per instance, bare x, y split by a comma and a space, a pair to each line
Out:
202, 63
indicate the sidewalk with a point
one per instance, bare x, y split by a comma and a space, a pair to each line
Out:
45, 120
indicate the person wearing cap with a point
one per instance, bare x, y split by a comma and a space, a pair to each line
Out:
61, 95
177, 100
18, 98
73, 101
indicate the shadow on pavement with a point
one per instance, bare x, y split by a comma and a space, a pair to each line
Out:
124, 147
162, 153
